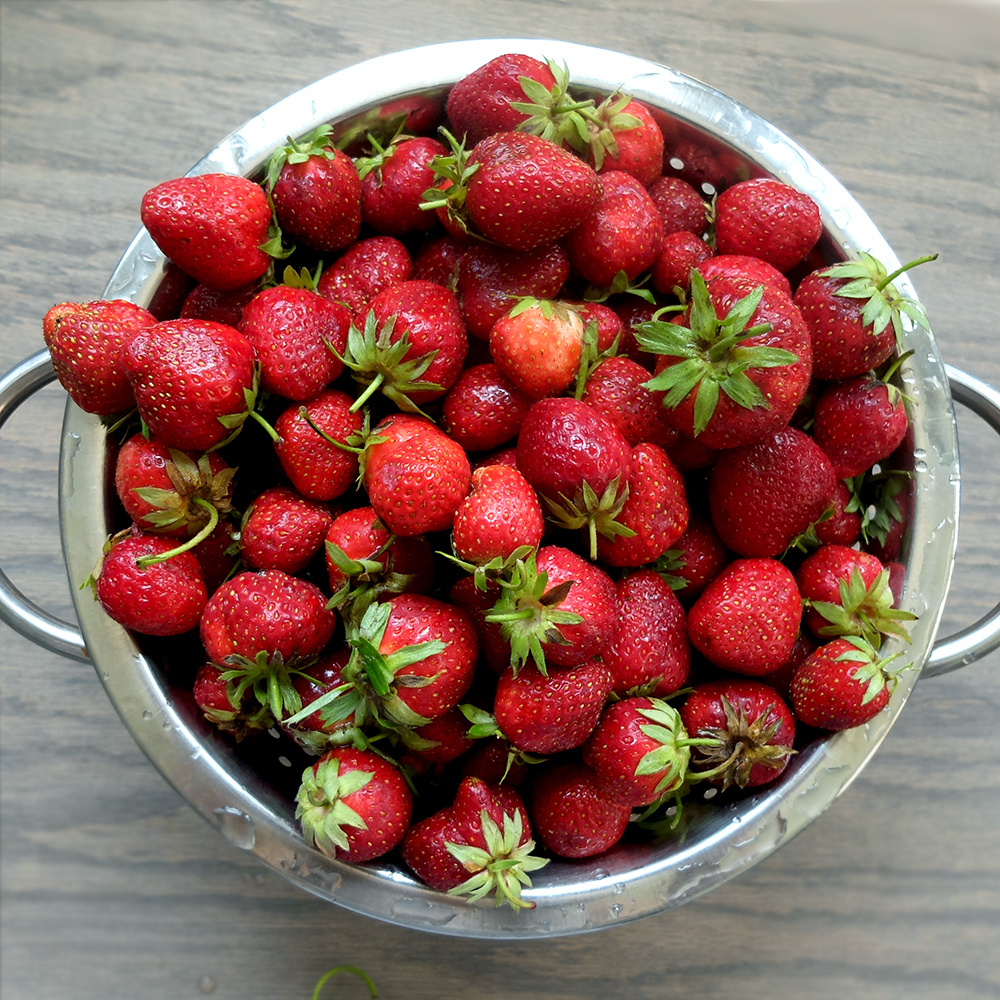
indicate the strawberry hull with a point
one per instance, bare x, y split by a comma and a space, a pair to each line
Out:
251, 803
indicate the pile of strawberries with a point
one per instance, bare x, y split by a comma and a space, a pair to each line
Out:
483, 456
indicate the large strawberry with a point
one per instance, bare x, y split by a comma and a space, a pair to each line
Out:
86, 341
478, 846
680, 206
483, 409
211, 226
193, 381
353, 805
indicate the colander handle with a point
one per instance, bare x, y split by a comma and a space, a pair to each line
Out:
982, 637
16, 610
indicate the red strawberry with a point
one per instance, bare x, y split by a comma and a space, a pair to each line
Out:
204, 302
650, 650
492, 279
483, 409
86, 341
854, 314
746, 620
477, 604
573, 817
393, 181
313, 733
364, 269
353, 805
695, 559
413, 344
168, 491
283, 530
211, 226
859, 422
316, 192
416, 477
680, 206
551, 712
499, 516
680, 253
170, 294
625, 137
765, 218
480, 845
842, 684
655, 511
623, 233
755, 270
754, 726
442, 740
538, 346
527, 191
310, 445
762, 496
192, 380
297, 335
736, 367
218, 555
148, 596
211, 695
843, 526
602, 320
437, 260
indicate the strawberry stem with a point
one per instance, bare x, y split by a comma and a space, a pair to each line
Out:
906, 267
372, 386
354, 970
213, 519
273, 434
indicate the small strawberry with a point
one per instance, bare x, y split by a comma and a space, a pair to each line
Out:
364, 269
843, 526
479, 846
316, 192
573, 817
297, 335
624, 136
441, 740
211, 695
312, 682
746, 620
437, 260
695, 559
483, 409
204, 302
353, 805
283, 530
680, 206
211, 226
193, 381
86, 341
393, 180
171, 293
765, 218
680, 253
842, 684
754, 727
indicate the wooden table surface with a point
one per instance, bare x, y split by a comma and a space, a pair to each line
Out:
113, 887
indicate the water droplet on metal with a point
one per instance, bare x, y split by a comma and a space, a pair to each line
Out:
619, 888
919, 466
236, 826
616, 909
601, 873
147, 714
207, 985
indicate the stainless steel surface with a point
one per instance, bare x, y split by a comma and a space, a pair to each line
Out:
632, 880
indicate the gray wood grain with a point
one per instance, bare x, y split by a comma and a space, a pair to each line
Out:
113, 887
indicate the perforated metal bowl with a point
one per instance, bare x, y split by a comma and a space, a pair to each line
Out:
249, 805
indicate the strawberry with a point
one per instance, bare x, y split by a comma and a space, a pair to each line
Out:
843, 526
147, 595
695, 559
680, 206
467, 594
483, 409
211, 695
492, 279
754, 726
679, 254
859, 422
393, 181
193, 381
86, 341
746, 620
650, 650
297, 336
168, 491
573, 817
353, 805
315, 445
415, 475
226, 307
437, 260
412, 347
551, 712
364, 269
443, 739
755, 270
600, 318
854, 314
316, 192
843, 684
171, 293
623, 233
283, 530
312, 732
765, 218
736, 367
211, 226
526, 191
762, 496
499, 516
218, 555
478, 846
624, 136
655, 511
538, 345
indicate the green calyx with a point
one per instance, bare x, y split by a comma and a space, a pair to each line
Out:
864, 611
528, 612
320, 805
599, 514
191, 480
555, 114
871, 672
711, 352
366, 580
234, 422
501, 869
868, 279
608, 119
315, 144
496, 569
380, 363
454, 172
875, 496
268, 678
672, 756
